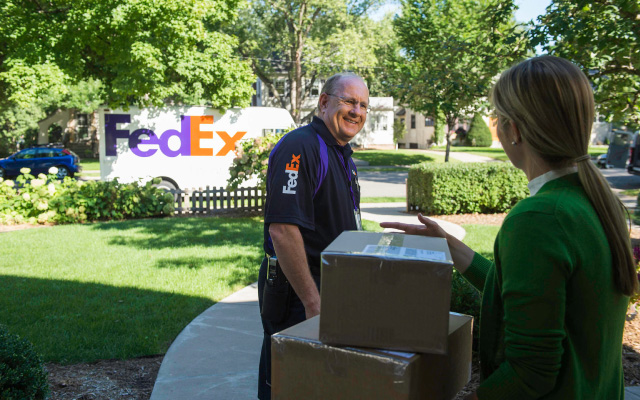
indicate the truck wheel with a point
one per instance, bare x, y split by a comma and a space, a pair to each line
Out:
168, 184
3, 174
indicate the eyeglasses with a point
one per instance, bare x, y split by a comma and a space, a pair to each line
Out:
352, 103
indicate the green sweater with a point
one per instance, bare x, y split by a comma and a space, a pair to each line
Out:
551, 322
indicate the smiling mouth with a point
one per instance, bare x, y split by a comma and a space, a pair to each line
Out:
351, 121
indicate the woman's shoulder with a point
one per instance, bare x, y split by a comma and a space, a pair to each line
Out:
554, 203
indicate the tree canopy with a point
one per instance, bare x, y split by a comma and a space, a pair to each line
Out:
143, 52
452, 51
602, 36
306, 40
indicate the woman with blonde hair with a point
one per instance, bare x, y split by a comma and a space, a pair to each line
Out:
555, 298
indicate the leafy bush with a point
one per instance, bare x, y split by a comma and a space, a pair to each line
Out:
252, 158
47, 200
465, 187
479, 134
22, 375
465, 299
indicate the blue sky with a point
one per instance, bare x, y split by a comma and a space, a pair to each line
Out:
528, 9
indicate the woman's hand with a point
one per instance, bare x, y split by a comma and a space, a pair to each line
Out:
429, 227
461, 253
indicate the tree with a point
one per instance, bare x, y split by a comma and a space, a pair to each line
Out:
479, 133
603, 38
143, 52
399, 129
452, 51
306, 40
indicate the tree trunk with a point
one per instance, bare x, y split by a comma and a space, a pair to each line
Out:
450, 124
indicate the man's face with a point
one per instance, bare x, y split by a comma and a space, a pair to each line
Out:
344, 112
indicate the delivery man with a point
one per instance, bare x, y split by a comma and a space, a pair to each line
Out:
312, 196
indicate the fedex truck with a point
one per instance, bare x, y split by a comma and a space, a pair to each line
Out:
186, 147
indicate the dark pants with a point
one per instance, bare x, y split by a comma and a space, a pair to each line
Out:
294, 316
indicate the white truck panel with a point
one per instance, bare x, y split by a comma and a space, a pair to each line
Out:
193, 146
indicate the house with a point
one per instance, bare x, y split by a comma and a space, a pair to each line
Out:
75, 129
419, 129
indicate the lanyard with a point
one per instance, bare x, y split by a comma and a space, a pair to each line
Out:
347, 172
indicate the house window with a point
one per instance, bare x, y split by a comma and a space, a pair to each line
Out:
429, 121
279, 85
83, 126
317, 87
413, 122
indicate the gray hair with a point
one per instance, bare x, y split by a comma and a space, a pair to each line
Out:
332, 83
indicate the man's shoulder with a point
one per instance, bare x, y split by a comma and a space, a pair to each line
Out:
302, 137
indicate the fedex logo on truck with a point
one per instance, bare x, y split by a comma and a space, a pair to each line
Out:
189, 137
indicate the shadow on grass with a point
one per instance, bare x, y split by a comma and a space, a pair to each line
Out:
178, 232
71, 322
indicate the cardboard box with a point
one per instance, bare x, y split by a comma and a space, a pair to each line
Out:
305, 368
386, 290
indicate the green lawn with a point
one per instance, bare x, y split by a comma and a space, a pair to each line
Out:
126, 289
481, 238
496, 153
595, 151
90, 164
396, 157
631, 192
121, 289
383, 200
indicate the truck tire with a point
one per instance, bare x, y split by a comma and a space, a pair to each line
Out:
168, 184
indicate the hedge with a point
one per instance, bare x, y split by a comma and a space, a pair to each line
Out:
441, 189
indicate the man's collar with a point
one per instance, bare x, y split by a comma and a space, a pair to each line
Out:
320, 127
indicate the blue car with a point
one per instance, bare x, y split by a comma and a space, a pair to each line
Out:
39, 160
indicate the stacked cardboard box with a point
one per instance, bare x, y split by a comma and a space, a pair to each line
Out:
378, 291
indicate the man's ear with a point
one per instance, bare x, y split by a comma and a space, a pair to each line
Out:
322, 102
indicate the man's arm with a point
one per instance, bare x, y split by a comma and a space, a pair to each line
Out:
289, 247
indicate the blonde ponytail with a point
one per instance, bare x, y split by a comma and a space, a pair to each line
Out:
551, 102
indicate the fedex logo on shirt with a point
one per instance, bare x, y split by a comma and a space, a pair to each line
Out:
292, 170
189, 137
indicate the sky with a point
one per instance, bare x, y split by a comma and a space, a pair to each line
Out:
528, 9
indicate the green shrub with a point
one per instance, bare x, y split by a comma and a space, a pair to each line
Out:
47, 200
22, 375
252, 159
461, 188
479, 134
465, 299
